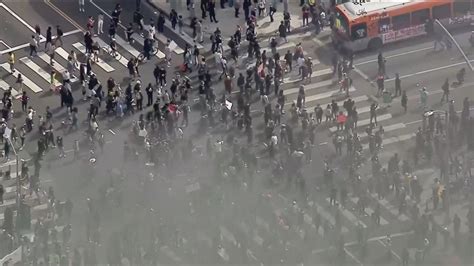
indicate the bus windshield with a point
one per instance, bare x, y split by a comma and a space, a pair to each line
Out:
341, 24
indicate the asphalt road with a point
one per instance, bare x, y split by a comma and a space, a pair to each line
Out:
414, 61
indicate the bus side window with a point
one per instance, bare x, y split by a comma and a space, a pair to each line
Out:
359, 31
401, 21
384, 25
420, 16
440, 12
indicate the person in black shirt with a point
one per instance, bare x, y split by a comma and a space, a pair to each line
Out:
49, 37
59, 35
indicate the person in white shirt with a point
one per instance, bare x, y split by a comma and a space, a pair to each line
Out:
81, 6
100, 23
300, 62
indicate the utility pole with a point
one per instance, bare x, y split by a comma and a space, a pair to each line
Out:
456, 43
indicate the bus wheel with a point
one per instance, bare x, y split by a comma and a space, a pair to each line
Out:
375, 44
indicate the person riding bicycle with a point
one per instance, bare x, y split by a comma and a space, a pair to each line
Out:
113, 47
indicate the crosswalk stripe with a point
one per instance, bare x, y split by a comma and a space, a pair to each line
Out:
26, 81
369, 211
5, 87
391, 140
366, 122
38, 70
225, 233
141, 41
386, 129
323, 105
106, 67
391, 208
162, 38
309, 87
349, 216
287, 45
328, 217
314, 74
125, 45
58, 67
166, 250
104, 47
61, 52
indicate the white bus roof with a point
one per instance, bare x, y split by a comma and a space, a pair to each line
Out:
373, 5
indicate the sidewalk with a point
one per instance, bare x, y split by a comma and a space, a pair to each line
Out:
228, 22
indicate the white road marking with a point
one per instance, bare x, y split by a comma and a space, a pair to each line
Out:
105, 47
429, 70
350, 216
6, 45
353, 257
395, 55
127, 46
314, 74
141, 41
26, 81
20, 19
5, 87
22, 46
106, 67
58, 67
366, 122
386, 129
38, 70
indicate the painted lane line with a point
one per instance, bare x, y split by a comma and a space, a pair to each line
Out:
22, 21
395, 55
309, 87
105, 47
429, 70
391, 250
5, 44
353, 257
26, 81
22, 46
366, 122
139, 39
5, 87
106, 67
59, 68
38, 70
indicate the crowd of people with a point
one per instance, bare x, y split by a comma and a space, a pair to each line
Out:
234, 155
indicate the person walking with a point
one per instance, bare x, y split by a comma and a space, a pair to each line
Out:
445, 89
33, 46
11, 62
398, 85
81, 6
100, 23
282, 31
212, 11
404, 100
59, 36
373, 113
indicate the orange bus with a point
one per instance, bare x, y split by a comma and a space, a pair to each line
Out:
370, 25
